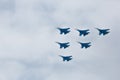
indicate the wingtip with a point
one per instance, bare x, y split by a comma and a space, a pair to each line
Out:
68, 28
71, 56
108, 29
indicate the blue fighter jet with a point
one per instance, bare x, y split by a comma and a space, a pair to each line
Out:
83, 32
66, 58
103, 31
63, 45
85, 45
64, 30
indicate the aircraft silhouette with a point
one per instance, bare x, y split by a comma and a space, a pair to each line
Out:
64, 30
103, 31
85, 45
66, 58
63, 45
83, 32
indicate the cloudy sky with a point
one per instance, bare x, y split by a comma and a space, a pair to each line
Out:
28, 34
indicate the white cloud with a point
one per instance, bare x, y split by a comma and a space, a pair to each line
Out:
28, 34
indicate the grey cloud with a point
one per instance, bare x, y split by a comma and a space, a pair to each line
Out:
28, 34
7, 5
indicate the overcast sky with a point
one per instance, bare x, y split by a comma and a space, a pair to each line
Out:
28, 34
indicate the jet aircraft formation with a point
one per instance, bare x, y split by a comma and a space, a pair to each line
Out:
65, 31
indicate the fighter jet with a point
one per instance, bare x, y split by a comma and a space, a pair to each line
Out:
64, 30
85, 45
66, 58
83, 32
63, 45
103, 31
